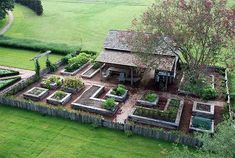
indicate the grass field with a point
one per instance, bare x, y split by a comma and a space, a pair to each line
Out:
21, 58
3, 22
28, 134
76, 21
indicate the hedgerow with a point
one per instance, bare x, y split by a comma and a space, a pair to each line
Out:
35, 5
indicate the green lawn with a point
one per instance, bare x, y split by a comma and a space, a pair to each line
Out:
28, 134
3, 22
21, 58
76, 21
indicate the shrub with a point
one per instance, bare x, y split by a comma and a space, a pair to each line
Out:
109, 103
119, 90
77, 62
59, 95
150, 96
73, 82
52, 79
50, 66
68, 56
35, 5
36, 45
97, 65
208, 93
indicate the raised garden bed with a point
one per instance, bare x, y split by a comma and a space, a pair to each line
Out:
90, 102
149, 99
59, 98
92, 71
204, 110
168, 118
119, 93
76, 64
36, 94
4, 83
201, 124
52, 82
73, 85
6, 73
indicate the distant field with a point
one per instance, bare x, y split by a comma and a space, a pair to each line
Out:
29, 135
76, 21
21, 58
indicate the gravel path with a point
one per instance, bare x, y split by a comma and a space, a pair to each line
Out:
9, 22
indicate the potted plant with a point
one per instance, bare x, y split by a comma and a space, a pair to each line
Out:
73, 85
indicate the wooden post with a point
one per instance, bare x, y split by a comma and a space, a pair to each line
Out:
132, 76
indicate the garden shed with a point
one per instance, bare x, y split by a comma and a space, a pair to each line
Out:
119, 57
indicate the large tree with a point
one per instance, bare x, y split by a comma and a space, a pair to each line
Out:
203, 31
5, 5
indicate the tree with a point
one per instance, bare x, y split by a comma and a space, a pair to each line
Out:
5, 6
201, 30
220, 145
37, 69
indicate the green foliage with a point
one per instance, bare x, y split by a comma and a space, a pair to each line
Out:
77, 62
150, 96
8, 82
35, 5
109, 103
52, 79
119, 90
35, 45
97, 65
168, 115
68, 56
4, 6
73, 82
221, 145
5, 73
59, 95
37, 68
199, 86
52, 67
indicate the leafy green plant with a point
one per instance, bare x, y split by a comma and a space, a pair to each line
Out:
52, 79
37, 68
109, 103
52, 67
97, 65
73, 82
119, 90
59, 95
150, 96
208, 93
77, 62
202, 123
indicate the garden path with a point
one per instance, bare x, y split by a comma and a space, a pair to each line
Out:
9, 22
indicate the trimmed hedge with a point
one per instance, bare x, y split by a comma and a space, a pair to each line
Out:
35, 5
36, 45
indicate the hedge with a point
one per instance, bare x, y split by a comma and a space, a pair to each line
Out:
36, 45
35, 5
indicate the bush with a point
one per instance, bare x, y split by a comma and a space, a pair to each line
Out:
36, 45
73, 82
50, 66
35, 5
97, 65
208, 93
77, 62
150, 96
109, 103
52, 79
119, 90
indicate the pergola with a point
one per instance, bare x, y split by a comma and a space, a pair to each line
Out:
117, 52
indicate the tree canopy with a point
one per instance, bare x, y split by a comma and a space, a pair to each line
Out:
4, 6
203, 31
